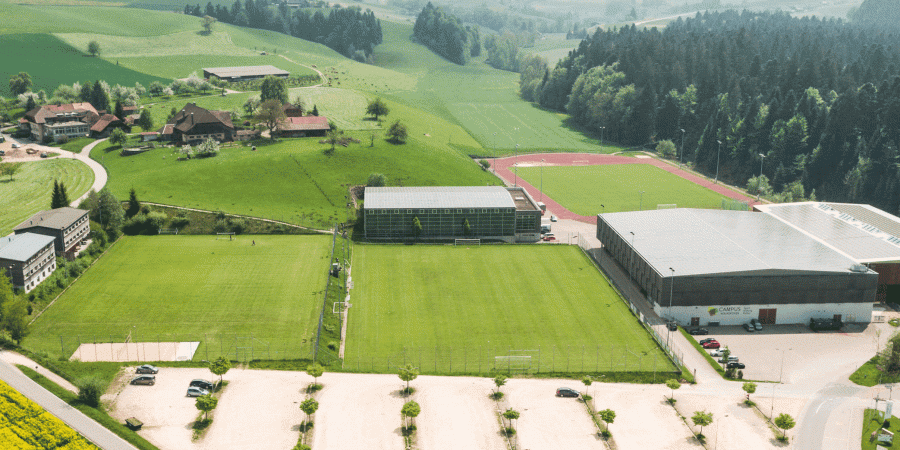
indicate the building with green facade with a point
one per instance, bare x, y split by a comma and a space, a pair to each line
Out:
491, 213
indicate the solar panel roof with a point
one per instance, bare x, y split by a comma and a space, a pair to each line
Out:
860, 239
698, 242
438, 197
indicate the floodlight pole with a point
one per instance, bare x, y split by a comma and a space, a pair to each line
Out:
758, 180
718, 156
681, 156
542, 180
516, 167
601, 138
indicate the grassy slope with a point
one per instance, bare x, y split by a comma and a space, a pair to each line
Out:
582, 189
30, 190
482, 298
51, 62
196, 288
100, 20
291, 180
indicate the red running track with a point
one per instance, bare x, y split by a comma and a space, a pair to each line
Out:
503, 168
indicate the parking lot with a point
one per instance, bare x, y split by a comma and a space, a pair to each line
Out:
795, 354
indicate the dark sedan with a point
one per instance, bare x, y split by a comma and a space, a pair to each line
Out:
698, 331
736, 365
147, 368
566, 392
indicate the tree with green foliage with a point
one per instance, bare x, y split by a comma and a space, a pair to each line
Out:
30, 104
409, 412
749, 387
309, 407
445, 34
315, 370
156, 88
109, 213
377, 108
666, 149
608, 416
467, 228
408, 373
145, 121
118, 137
20, 83
209, 147
60, 196
499, 381
784, 422
587, 380
672, 384
205, 404
271, 113
89, 391
397, 133
207, 24
94, 48
315, 111
119, 110
416, 227
99, 97
375, 180
10, 169
220, 366
510, 415
13, 312
702, 419
273, 88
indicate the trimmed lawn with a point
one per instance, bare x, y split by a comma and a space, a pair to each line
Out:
869, 375
229, 295
291, 180
29, 191
42, 55
582, 189
872, 423
453, 309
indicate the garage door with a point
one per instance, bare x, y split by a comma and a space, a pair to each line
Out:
767, 316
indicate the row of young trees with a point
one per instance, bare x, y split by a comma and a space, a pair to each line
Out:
349, 31
817, 102
445, 34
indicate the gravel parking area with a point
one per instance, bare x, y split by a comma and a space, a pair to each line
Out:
359, 411
643, 419
456, 413
549, 422
808, 356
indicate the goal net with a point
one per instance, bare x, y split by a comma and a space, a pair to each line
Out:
515, 363
467, 242
225, 236
338, 307
666, 206
168, 231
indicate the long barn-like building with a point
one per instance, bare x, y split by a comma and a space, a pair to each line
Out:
451, 212
712, 267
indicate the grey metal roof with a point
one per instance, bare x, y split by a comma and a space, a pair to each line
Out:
854, 236
705, 242
245, 71
438, 197
21, 247
58, 219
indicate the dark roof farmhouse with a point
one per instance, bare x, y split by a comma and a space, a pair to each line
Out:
195, 124
243, 73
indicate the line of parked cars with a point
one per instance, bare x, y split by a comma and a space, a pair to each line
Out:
715, 348
147, 376
753, 325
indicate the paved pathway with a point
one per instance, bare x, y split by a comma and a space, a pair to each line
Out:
14, 358
503, 168
93, 431
100, 176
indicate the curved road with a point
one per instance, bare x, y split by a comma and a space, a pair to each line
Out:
100, 176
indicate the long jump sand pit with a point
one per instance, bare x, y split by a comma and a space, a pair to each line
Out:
135, 351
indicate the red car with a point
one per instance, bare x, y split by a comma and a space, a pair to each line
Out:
711, 344
549, 238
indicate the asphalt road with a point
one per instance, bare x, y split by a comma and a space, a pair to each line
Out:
94, 432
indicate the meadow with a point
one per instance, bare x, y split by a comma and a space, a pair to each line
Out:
29, 191
582, 189
291, 180
52, 62
41, 18
263, 292
453, 309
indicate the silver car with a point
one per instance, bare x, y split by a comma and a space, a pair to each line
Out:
756, 324
196, 392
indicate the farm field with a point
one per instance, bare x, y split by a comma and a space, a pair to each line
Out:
264, 296
582, 189
41, 18
291, 180
453, 309
41, 55
26, 425
29, 191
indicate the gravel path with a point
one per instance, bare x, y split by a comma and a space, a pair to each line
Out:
14, 358
359, 412
456, 413
548, 422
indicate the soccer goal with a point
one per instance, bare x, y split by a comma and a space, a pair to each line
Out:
467, 242
338, 307
224, 236
666, 206
521, 364
168, 231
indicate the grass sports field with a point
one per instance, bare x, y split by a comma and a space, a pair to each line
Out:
29, 191
582, 189
183, 288
453, 309
291, 180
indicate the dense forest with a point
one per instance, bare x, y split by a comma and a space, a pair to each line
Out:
814, 103
445, 35
877, 13
348, 31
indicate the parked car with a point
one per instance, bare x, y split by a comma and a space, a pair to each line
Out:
202, 384
698, 331
2, 153
731, 359
672, 326
553, 219
756, 324
147, 368
715, 353
549, 237
196, 392
566, 392
44, 154
749, 328
712, 344
703, 341
15, 145
735, 365
149, 380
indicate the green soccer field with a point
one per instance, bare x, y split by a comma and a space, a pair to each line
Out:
582, 189
455, 309
238, 299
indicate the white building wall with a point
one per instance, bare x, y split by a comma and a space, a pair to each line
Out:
785, 314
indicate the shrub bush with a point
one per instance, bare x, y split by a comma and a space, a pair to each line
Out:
89, 391
180, 222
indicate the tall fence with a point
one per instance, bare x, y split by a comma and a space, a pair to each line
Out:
326, 348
